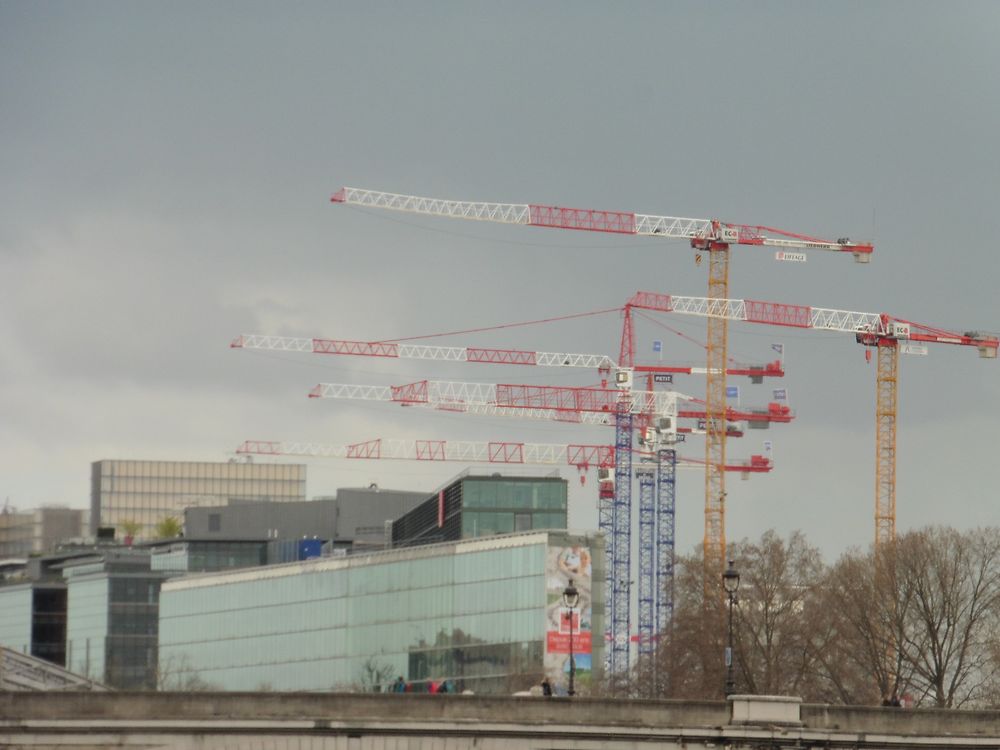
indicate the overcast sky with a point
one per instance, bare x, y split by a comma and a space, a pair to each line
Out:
165, 174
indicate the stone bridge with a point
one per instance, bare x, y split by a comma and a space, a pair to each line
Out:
297, 721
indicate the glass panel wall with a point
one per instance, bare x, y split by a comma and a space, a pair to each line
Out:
87, 627
15, 618
493, 505
475, 619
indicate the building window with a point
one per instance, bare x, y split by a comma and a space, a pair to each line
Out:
215, 522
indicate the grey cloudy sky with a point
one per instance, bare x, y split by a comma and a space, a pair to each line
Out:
166, 170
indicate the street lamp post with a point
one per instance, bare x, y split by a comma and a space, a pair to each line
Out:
730, 582
571, 597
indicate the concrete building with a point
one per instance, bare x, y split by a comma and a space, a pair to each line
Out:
354, 519
474, 506
146, 492
481, 614
38, 531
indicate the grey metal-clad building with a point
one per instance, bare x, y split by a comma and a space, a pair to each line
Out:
355, 518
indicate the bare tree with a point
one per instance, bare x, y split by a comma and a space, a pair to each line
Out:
953, 581
374, 674
689, 655
176, 674
852, 640
920, 618
776, 602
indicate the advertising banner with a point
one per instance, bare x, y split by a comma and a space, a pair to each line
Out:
568, 630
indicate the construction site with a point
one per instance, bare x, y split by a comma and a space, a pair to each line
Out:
654, 358
653, 429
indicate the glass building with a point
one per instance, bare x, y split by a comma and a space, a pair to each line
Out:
15, 617
475, 506
484, 615
112, 619
146, 492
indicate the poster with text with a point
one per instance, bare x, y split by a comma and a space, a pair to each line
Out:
568, 629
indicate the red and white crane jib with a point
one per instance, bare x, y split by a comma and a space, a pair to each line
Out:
446, 393
559, 403
495, 452
581, 456
396, 350
870, 329
699, 232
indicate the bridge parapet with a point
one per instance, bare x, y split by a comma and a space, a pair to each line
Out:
765, 709
281, 721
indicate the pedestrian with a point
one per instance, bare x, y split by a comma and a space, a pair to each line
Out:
546, 687
400, 685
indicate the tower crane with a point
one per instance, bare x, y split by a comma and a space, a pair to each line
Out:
614, 509
395, 350
561, 403
886, 333
581, 456
467, 451
656, 488
710, 235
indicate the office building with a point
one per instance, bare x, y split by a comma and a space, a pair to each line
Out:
38, 531
112, 620
482, 614
474, 506
143, 493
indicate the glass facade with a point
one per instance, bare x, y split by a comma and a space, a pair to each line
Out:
15, 617
502, 506
33, 620
475, 614
146, 492
87, 627
478, 506
112, 624
48, 625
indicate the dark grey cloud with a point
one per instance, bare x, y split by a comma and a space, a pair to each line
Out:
167, 169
